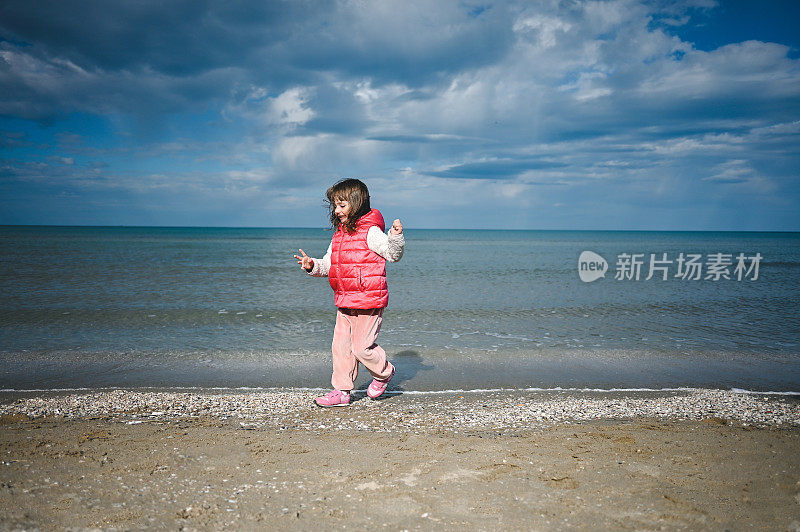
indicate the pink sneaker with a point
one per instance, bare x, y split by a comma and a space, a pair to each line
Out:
378, 386
333, 398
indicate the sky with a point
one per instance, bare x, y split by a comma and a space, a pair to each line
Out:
610, 115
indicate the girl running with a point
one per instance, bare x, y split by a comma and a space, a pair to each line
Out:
355, 265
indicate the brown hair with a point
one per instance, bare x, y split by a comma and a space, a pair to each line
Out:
353, 191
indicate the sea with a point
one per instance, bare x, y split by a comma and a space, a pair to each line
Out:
472, 310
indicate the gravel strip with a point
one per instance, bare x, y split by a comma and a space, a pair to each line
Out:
293, 409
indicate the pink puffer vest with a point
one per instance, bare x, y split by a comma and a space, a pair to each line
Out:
358, 274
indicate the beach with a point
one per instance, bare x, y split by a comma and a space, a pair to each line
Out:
506, 459
164, 378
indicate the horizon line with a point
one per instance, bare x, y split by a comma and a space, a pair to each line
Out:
413, 229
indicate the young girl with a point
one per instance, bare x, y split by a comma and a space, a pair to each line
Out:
356, 268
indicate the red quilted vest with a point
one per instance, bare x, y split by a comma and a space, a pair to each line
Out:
358, 274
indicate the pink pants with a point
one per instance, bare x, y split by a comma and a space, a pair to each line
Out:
354, 338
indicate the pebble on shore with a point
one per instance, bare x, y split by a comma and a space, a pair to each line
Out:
451, 412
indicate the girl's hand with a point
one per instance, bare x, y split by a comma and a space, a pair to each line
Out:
305, 262
397, 228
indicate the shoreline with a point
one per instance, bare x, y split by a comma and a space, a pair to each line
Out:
419, 369
11, 392
122, 459
451, 410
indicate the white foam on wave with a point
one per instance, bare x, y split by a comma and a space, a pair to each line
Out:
740, 390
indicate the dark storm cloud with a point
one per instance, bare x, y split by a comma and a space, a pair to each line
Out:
415, 43
180, 37
152, 56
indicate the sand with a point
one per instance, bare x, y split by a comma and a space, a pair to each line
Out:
407, 462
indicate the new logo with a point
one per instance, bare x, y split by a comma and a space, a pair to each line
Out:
591, 266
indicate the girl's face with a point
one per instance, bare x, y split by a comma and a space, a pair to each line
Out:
342, 209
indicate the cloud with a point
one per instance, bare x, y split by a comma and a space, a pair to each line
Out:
599, 99
13, 139
494, 169
131, 57
286, 110
736, 171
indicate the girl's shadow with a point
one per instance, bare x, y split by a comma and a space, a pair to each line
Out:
408, 364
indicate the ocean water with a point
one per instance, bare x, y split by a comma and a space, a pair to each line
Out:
468, 309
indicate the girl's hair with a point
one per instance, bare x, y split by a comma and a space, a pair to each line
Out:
353, 191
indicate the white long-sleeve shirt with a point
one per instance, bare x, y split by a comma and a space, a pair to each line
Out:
387, 245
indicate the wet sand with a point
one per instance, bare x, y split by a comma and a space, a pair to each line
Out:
143, 460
